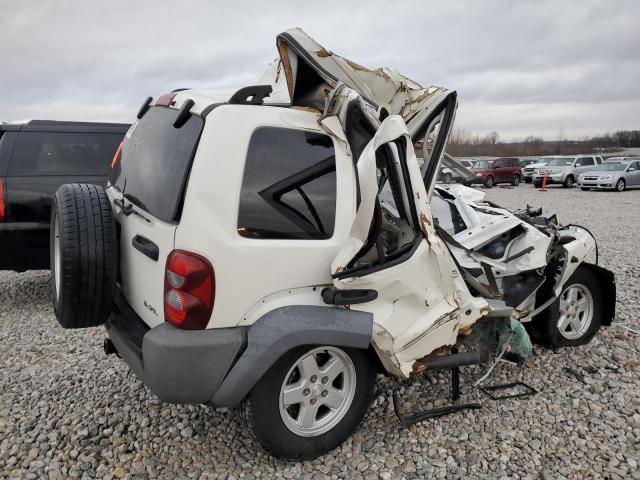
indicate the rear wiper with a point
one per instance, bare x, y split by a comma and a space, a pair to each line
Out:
128, 209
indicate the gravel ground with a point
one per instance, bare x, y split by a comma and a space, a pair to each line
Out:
67, 410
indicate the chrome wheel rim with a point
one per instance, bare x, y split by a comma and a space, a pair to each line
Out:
576, 311
516, 181
620, 185
56, 257
317, 391
490, 182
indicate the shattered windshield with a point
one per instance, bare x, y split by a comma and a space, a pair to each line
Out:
611, 167
560, 162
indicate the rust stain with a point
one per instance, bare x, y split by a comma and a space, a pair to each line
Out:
324, 53
418, 195
282, 50
420, 365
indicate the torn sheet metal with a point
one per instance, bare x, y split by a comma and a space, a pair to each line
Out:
306, 72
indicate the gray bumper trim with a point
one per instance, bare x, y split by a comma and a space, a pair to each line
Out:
283, 329
179, 366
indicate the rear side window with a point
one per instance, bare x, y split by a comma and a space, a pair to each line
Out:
587, 161
63, 153
155, 162
289, 186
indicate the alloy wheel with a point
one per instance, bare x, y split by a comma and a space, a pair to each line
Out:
317, 391
576, 311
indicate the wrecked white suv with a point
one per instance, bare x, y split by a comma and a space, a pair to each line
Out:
285, 244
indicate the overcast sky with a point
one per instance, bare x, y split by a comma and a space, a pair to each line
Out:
567, 68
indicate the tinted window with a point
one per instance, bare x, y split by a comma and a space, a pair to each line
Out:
587, 161
289, 186
155, 161
68, 153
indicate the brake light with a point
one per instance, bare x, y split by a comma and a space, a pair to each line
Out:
189, 290
2, 211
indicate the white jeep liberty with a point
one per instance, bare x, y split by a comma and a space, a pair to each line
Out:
285, 244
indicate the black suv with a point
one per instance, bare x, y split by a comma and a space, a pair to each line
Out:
35, 159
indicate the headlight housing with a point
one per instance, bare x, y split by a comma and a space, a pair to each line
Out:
605, 177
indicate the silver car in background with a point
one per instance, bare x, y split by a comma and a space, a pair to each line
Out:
612, 176
565, 169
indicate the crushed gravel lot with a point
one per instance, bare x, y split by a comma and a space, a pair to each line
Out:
67, 410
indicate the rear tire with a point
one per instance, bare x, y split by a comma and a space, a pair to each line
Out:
83, 255
284, 431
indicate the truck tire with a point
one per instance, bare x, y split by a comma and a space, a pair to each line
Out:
83, 255
302, 408
576, 315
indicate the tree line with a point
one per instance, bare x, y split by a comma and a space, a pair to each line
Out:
464, 144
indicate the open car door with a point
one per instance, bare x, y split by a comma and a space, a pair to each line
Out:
423, 303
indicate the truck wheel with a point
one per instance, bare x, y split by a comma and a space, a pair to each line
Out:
568, 182
83, 255
448, 178
515, 181
576, 315
311, 400
488, 182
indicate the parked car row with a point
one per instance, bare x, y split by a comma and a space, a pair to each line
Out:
586, 171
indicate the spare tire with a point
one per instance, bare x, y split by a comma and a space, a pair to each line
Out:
83, 255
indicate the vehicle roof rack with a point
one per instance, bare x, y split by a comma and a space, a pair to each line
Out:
253, 95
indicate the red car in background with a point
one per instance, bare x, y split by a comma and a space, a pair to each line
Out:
492, 171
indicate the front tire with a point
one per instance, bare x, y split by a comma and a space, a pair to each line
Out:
576, 315
515, 181
585, 189
311, 400
489, 182
621, 185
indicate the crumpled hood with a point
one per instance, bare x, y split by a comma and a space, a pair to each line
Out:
307, 72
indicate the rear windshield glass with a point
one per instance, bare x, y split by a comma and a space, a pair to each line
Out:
155, 162
63, 153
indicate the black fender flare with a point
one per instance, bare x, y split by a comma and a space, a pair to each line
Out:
282, 329
607, 281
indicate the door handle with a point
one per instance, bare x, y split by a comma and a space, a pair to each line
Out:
333, 296
146, 247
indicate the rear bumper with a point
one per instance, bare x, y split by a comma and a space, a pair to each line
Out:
179, 366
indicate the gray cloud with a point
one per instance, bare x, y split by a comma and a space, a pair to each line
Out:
520, 67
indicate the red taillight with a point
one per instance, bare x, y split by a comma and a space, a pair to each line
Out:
189, 290
2, 212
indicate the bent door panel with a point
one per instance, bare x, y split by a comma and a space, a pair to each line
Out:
421, 296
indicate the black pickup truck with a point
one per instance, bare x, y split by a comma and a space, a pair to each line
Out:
35, 159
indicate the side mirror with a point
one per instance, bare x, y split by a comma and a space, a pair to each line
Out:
631, 169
